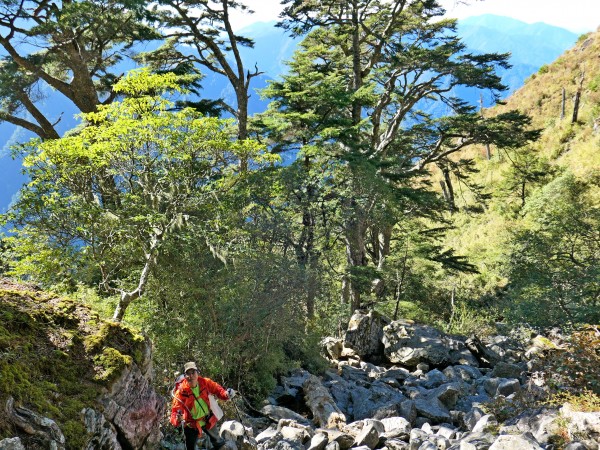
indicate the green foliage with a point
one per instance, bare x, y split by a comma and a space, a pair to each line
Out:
467, 320
37, 59
353, 102
243, 323
583, 401
553, 259
595, 84
508, 408
101, 202
525, 173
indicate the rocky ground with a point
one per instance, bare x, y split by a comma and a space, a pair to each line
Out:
393, 385
420, 390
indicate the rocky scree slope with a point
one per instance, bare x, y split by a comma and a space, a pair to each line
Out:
404, 386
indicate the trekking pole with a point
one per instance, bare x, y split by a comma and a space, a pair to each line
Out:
182, 429
240, 419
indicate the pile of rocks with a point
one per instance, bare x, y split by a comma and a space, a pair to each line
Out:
403, 386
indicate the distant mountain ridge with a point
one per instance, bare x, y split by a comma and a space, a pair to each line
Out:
531, 46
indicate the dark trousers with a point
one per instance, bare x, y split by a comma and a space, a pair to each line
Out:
191, 436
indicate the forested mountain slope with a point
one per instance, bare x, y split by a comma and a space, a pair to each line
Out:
536, 243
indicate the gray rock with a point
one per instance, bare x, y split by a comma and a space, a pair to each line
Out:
506, 370
416, 439
367, 402
45, 429
569, 446
490, 385
271, 442
279, 412
132, 405
508, 387
103, 433
408, 410
485, 356
332, 347
11, 444
287, 445
476, 441
266, 435
586, 424
472, 417
448, 394
318, 442
510, 442
433, 379
368, 437
447, 432
364, 334
396, 444
396, 428
485, 424
409, 344
298, 436
427, 445
468, 373
433, 409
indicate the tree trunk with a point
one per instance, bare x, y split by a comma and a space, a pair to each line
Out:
356, 257
128, 297
447, 188
577, 98
488, 151
242, 118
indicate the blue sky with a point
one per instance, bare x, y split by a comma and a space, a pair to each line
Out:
579, 16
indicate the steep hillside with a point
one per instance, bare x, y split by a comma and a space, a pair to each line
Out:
566, 143
516, 178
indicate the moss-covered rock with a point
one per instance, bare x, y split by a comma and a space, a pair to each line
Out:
58, 357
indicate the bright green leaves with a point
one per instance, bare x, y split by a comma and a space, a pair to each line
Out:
137, 175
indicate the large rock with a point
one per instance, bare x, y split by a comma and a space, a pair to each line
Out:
510, 442
133, 406
585, 424
485, 356
276, 413
11, 444
44, 429
324, 409
104, 434
368, 401
364, 334
409, 344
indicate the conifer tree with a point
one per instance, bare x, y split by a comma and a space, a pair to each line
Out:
205, 27
362, 88
73, 47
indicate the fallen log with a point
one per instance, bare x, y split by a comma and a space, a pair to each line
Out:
326, 413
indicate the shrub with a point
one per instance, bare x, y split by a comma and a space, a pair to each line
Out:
574, 369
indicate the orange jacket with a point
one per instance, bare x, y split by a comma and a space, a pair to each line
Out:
183, 400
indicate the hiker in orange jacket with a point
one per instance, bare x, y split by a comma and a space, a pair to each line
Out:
191, 407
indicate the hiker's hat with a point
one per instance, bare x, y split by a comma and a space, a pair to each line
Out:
188, 366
